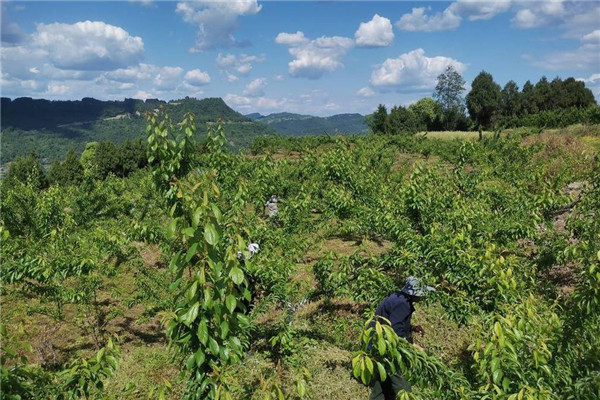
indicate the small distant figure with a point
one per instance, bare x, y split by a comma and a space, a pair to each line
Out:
272, 207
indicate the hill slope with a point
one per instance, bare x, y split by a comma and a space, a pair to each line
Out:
299, 125
52, 127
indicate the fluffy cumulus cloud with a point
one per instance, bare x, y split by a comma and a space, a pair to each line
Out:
168, 78
197, 77
365, 92
71, 60
538, 13
418, 20
233, 65
291, 39
475, 10
375, 33
217, 21
527, 14
315, 102
255, 88
87, 45
412, 71
313, 58
592, 36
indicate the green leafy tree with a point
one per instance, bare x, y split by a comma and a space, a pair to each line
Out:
427, 111
377, 122
510, 100
401, 121
448, 93
528, 103
69, 172
88, 158
483, 100
106, 159
28, 169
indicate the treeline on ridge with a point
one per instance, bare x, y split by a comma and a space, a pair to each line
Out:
547, 104
98, 160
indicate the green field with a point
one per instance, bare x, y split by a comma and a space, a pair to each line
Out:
506, 229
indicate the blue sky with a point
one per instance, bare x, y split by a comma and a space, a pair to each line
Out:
311, 57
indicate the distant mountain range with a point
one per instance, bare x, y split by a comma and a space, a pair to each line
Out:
298, 124
51, 128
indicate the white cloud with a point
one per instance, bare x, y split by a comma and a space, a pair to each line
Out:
168, 78
255, 88
291, 39
56, 89
375, 33
88, 45
143, 95
592, 36
412, 71
132, 74
217, 21
365, 92
418, 20
232, 64
256, 103
278, 78
196, 77
534, 14
313, 58
475, 10
586, 56
593, 79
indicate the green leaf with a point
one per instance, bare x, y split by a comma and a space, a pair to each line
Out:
356, 367
369, 364
199, 357
381, 345
230, 302
191, 251
202, 332
210, 234
381, 370
224, 329
191, 315
213, 346
189, 232
171, 229
190, 362
236, 275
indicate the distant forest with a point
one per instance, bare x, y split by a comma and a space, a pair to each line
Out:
547, 104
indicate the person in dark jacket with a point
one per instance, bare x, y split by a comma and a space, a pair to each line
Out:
398, 308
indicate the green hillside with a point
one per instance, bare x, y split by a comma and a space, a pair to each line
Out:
52, 127
299, 125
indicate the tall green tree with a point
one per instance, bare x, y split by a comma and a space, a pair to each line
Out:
377, 122
106, 159
448, 93
484, 99
510, 100
528, 103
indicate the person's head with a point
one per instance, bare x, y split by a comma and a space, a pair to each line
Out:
415, 289
273, 198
